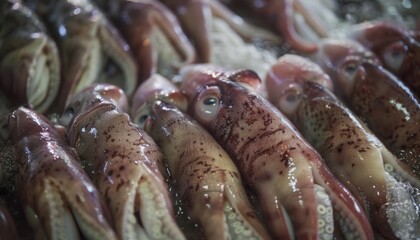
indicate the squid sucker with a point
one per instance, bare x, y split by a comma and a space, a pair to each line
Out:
59, 199
296, 191
354, 154
124, 162
207, 180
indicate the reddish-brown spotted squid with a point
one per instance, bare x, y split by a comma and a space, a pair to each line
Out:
124, 162
209, 184
377, 179
59, 199
295, 190
206, 180
376, 96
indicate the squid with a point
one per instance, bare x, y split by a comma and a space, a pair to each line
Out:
302, 90
124, 162
205, 177
397, 49
296, 191
91, 49
58, 198
138, 21
388, 107
29, 60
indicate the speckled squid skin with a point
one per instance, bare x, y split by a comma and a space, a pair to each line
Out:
52, 184
88, 44
275, 161
353, 153
125, 162
206, 177
388, 107
391, 112
349, 149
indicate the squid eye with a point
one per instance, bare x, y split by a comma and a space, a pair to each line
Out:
207, 105
210, 101
394, 56
349, 70
347, 75
141, 116
291, 98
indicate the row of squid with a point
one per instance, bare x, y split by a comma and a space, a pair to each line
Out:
319, 148
51, 50
340, 181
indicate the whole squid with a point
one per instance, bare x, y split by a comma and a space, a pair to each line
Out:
91, 49
138, 20
124, 162
59, 199
300, 89
295, 189
398, 49
29, 60
207, 180
389, 108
